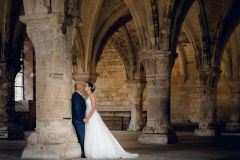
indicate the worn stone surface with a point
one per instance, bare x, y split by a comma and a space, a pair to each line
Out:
233, 125
208, 84
197, 30
111, 88
53, 87
7, 111
135, 95
3, 113
158, 66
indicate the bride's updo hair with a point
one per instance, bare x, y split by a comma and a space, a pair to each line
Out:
91, 86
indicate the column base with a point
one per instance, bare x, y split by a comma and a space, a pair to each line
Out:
3, 132
133, 127
233, 127
52, 151
157, 138
54, 139
205, 132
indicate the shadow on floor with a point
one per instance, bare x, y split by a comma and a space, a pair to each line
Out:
225, 147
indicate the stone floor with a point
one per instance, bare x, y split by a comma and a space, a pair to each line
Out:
226, 147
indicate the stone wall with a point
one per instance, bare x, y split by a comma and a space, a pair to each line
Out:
224, 95
185, 92
111, 89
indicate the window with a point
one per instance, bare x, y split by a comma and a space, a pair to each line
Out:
19, 85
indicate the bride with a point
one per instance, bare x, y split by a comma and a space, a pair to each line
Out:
99, 141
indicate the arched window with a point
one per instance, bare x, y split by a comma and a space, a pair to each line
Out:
19, 85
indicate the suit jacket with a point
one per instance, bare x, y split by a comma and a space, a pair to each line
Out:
78, 108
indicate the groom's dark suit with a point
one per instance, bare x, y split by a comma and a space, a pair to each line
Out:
78, 114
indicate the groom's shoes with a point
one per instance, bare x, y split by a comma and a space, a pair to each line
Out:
83, 156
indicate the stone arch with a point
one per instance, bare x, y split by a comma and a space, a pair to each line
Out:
227, 25
124, 59
113, 24
230, 55
193, 40
176, 16
138, 13
90, 14
215, 35
77, 51
228, 86
153, 20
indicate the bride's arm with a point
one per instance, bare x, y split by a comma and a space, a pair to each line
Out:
93, 103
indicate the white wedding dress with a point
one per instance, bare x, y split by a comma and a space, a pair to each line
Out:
99, 141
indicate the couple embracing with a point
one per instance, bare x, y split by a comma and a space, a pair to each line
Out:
93, 135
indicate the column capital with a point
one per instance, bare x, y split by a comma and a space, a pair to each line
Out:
49, 12
37, 19
158, 63
208, 77
135, 90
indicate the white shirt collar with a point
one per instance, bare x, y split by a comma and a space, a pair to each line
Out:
78, 92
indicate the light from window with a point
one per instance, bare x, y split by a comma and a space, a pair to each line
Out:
19, 86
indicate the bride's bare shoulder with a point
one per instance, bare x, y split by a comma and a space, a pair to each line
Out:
92, 97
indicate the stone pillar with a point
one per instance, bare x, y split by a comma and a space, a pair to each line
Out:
85, 76
15, 129
9, 125
233, 125
135, 96
158, 67
54, 137
3, 108
208, 78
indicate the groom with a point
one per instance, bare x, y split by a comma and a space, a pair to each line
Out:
78, 113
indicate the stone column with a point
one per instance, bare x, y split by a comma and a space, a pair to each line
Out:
3, 108
208, 78
15, 130
9, 125
135, 96
54, 137
233, 125
158, 66
85, 76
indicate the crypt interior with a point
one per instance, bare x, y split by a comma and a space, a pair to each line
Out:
167, 75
